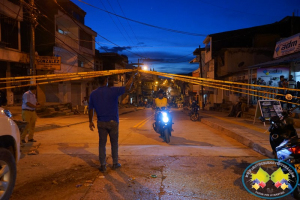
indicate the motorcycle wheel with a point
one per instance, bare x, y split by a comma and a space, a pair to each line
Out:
194, 117
167, 136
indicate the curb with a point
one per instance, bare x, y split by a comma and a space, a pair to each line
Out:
241, 139
54, 126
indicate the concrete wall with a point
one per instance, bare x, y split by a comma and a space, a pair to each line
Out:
235, 59
211, 69
208, 54
218, 96
12, 11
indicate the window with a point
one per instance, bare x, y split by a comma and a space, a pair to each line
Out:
78, 17
80, 63
86, 40
9, 32
61, 31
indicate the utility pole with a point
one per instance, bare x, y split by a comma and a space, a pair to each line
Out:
138, 84
201, 76
33, 24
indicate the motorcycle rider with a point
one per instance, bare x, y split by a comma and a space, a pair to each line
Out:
159, 103
194, 105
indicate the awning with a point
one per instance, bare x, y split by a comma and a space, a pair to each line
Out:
281, 61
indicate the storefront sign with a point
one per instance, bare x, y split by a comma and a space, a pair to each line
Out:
271, 76
268, 109
48, 63
287, 46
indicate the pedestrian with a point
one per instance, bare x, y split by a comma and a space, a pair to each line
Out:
281, 92
291, 85
29, 104
85, 104
104, 101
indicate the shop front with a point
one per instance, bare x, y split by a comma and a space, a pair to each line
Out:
286, 63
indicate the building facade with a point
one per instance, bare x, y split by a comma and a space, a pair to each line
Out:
61, 32
13, 60
228, 55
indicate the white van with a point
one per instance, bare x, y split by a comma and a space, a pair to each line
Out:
9, 153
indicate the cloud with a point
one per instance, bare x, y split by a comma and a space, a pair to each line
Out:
115, 49
174, 68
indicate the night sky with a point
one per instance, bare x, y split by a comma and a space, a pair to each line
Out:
168, 51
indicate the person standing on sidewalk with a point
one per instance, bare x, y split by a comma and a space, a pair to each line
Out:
291, 85
281, 84
29, 104
85, 104
104, 100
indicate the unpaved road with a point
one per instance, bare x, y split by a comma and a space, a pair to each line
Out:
199, 163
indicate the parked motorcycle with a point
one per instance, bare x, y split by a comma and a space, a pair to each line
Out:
285, 142
163, 123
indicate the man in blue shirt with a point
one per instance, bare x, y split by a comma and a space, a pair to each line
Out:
104, 100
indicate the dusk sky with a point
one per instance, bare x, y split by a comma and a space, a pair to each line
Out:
171, 51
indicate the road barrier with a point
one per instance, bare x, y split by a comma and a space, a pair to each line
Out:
237, 87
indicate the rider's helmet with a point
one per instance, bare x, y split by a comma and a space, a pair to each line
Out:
160, 91
160, 94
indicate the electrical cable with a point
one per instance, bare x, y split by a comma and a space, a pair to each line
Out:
146, 24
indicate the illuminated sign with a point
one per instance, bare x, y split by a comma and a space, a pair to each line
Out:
287, 46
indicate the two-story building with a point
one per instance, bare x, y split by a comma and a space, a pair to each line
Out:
61, 32
229, 54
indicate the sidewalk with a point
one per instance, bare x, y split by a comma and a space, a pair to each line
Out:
254, 136
64, 121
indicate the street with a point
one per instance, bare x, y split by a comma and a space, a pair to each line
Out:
198, 163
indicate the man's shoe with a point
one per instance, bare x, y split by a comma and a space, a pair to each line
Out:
23, 141
102, 168
115, 166
32, 140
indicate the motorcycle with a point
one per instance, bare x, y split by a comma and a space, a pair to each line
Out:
163, 123
285, 142
194, 115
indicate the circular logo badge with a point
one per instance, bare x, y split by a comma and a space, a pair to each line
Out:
270, 179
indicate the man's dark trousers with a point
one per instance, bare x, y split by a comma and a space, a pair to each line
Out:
112, 129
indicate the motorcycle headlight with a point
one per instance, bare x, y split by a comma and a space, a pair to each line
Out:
165, 117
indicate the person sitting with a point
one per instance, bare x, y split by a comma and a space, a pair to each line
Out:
194, 106
159, 103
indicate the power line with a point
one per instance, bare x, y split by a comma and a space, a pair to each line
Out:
146, 24
120, 22
129, 24
115, 23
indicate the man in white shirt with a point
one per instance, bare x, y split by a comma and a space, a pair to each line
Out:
29, 103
